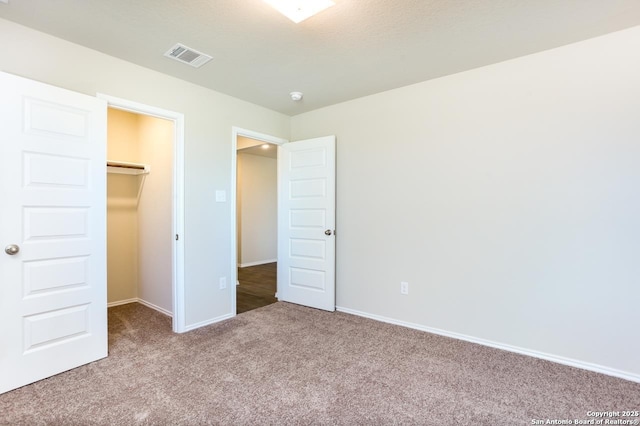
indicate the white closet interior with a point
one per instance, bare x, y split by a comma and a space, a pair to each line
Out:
139, 210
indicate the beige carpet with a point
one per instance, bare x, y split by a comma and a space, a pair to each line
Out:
285, 364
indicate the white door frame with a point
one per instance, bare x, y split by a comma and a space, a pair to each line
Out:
235, 132
178, 290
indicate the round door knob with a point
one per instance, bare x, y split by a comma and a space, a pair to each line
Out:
12, 249
327, 232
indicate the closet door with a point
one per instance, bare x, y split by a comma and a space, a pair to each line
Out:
52, 231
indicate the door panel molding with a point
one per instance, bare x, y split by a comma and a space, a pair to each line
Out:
306, 222
53, 291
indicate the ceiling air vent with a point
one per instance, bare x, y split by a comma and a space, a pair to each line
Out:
187, 55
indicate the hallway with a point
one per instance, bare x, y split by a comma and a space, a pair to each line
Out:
257, 287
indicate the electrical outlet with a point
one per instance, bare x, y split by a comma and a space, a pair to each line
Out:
223, 283
404, 287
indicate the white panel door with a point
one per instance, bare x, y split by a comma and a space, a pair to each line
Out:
306, 222
53, 294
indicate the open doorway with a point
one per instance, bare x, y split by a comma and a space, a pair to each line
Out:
145, 199
305, 229
139, 178
255, 199
257, 223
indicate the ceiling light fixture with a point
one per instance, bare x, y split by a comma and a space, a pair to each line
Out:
296, 96
299, 10
265, 146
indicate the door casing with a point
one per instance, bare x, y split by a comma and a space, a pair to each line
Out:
178, 290
237, 131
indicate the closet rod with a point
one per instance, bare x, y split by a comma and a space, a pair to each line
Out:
126, 165
122, 167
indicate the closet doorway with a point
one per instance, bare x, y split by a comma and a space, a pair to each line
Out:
256, 214
144, 199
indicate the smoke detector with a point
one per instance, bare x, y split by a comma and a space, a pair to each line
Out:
187, 55
296, 96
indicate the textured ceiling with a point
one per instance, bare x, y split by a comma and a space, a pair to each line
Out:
271, 152
254, 147
356, 48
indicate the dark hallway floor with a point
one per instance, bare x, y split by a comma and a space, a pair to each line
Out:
257, 287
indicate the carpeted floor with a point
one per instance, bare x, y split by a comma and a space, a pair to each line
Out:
287, 365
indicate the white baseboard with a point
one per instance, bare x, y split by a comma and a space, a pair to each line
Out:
208, 322
122, 302
142, 302
157, 308
541, 355
259, 262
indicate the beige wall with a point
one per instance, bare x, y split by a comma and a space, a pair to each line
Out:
507, 197
209, 118
257, 209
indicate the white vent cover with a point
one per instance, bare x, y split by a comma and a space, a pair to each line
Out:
187, 55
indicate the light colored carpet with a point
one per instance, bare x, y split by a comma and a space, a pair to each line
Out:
286, 364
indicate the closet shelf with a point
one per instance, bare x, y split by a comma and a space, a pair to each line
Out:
123, 168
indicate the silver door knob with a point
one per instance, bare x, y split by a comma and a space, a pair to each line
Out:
327, 232
12, 249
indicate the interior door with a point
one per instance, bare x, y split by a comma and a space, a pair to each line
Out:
53, 305
306, 222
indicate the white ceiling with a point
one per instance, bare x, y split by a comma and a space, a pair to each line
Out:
356, 48
255, 147
271, 152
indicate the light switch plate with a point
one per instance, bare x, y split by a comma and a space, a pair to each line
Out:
221, 196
